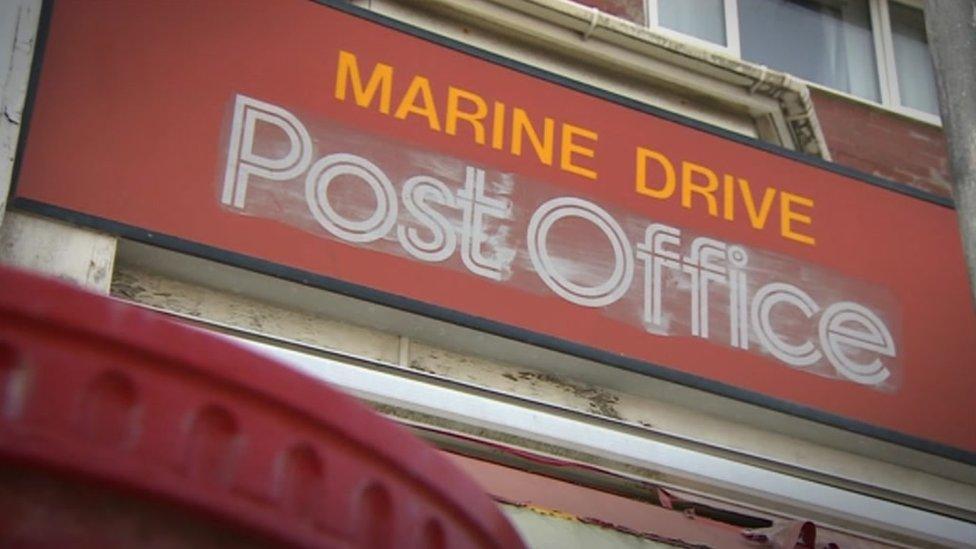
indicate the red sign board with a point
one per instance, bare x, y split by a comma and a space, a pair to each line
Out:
319, 143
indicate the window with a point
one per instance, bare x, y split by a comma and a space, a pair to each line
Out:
873, 49
704, 19
709, 23
828, 43
912, 64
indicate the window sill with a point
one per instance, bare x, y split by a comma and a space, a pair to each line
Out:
707, 51
903, 112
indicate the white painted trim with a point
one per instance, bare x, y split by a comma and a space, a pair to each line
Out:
695, 41
732, 27
887, 56
921, 116
707, 422
845, 506
885, 76
651, 11
892, 64
914, 115
20, 19
731, 17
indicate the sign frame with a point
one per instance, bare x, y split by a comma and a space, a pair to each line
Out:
474, 322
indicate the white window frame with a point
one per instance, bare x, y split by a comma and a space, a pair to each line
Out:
885, 55
731, 9
884, 52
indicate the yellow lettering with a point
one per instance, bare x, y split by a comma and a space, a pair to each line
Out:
419, 88
667, 189
728, 196
380, 79
453, 113
522, 126
689, 187
498, 126
787, 216
568, 147
757, 219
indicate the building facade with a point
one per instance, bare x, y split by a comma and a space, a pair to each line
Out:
803, 136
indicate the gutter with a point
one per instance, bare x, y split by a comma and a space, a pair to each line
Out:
588, 25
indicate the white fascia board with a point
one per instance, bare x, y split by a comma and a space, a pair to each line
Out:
833, 506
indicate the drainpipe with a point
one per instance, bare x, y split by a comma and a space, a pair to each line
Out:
951, 28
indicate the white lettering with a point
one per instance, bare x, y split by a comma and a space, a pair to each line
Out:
656, 258
325, 171
623, 262
850, 325
443, 241
770, 295
476, 206
243, 162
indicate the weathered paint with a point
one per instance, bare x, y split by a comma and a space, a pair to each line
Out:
18, 27
249, 314
723, 426
80, 256
441, 210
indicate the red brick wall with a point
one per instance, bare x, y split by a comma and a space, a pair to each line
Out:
884, 144
632, 10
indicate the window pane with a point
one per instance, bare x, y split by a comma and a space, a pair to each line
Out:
631, 10
827, 41
916, 76
703, 19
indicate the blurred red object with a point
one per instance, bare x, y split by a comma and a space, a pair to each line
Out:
121, 428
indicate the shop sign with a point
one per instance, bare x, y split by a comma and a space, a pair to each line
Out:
321, 144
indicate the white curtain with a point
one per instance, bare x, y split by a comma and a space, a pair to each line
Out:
703, 19
827, 42
916, 77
